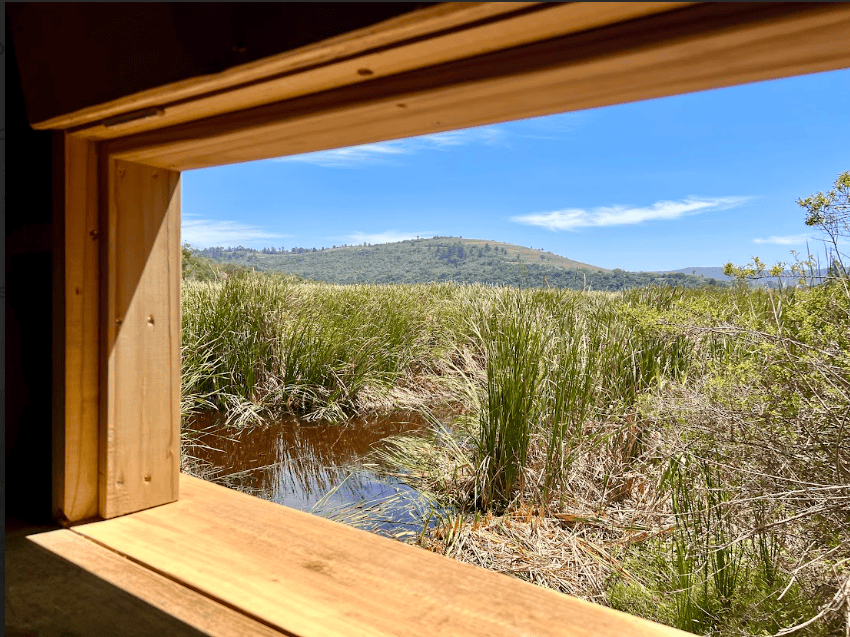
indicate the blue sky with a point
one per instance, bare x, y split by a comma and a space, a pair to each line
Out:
690, 180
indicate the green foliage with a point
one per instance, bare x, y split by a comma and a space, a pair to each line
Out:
763, 604
830, 210
830, 213
747, 392
514, 347
707, 559
314, 349
444, 259
198, 268
572, 381
782, 274
738, 400
764, 441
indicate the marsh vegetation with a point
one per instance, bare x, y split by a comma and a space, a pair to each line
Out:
679, 454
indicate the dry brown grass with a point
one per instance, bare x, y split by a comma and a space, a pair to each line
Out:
570, 544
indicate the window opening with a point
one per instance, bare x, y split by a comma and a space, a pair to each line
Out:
500, 341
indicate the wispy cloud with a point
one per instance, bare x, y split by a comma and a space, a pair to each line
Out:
206, 233
574, 218
389, 153
550, 126
489, 135
389, 236
380, 153
787, 240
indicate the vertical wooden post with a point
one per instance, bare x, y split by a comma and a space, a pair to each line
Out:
140, 379
76, 343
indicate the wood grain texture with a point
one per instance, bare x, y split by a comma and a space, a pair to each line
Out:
310, 576
75, 444
690, 49
335, 64
124, 49
415, 24
140, 420
190, 607
56, 246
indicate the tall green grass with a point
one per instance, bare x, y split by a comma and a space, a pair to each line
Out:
515, 346
708, 561
541, 361
751, 390
312, 349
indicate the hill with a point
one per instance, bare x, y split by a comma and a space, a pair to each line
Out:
440, 259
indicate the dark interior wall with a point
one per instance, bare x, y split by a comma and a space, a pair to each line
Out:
28, 299
75, 55
65, 56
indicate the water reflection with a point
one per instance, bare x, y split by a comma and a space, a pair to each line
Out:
316, 467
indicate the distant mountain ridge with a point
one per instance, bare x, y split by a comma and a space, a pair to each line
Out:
440, 259
715, 273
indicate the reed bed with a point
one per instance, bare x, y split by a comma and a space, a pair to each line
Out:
685, 455
320, 351
678, 454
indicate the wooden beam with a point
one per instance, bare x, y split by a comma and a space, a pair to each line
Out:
428, 38
417, 24
190, 607
285, 569
140, 382
75, 438
121, 50
308, 576
690, 49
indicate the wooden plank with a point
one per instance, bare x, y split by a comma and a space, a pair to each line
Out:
310, 576
282, 82
75, 443
416, 24
140, 421
161, 43
186, 605
681, 51
57, 320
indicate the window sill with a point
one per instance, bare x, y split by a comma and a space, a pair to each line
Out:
304, 575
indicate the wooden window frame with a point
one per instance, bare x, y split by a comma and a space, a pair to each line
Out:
117, 431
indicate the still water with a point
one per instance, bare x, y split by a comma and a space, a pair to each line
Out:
319, 468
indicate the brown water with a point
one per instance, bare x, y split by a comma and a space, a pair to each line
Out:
317, 468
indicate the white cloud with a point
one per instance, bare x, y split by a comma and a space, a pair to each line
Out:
484, 135
389, 236
787, 240
573, 218
206, 233
380, 153
550, 126
388, 153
